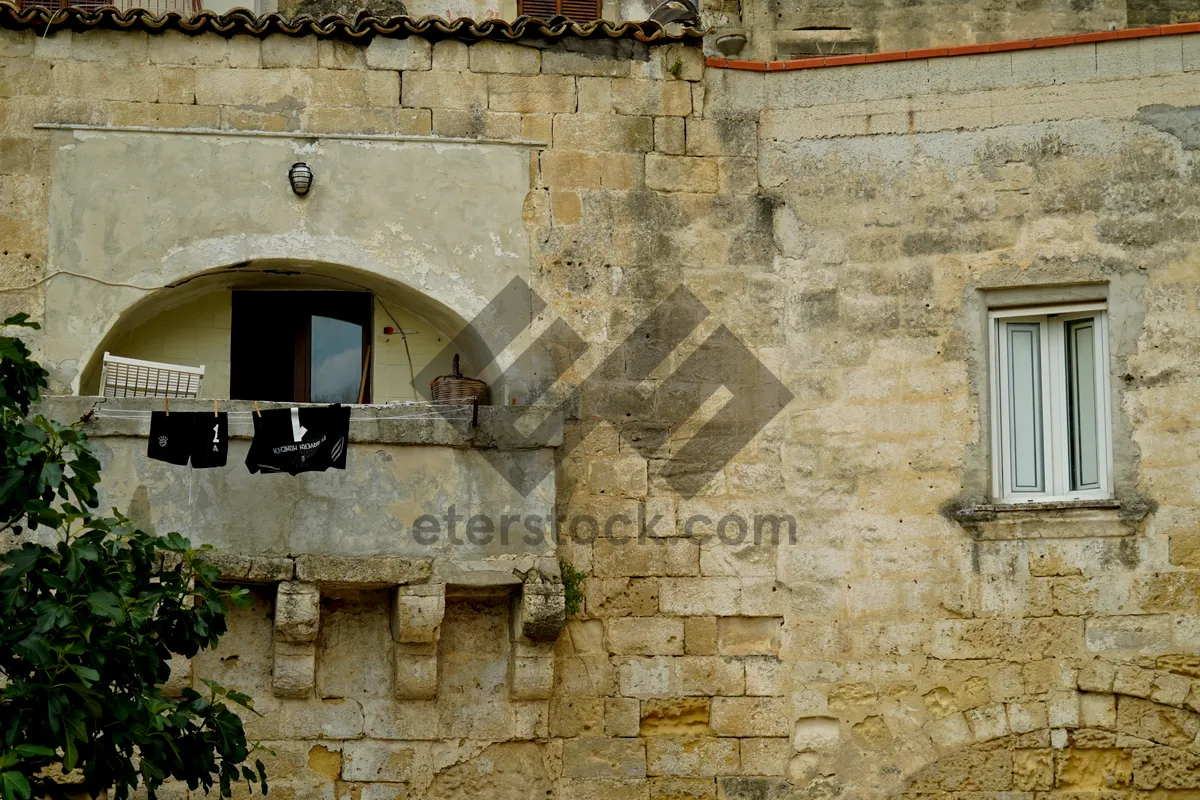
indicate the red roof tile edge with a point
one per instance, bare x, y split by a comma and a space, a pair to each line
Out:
949, 52
358, 28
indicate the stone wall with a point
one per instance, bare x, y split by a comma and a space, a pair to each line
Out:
787, 29
847, 224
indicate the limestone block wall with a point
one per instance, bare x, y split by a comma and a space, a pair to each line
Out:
789, 29
848, 225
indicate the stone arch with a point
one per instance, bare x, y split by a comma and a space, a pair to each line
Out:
1091, 724
81, 373
1118, 743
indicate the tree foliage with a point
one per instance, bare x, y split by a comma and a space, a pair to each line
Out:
89, 623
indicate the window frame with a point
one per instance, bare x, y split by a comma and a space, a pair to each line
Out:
1055, 423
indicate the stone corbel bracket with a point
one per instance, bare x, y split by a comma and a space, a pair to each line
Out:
418, 606
298, 606
297, 622
538, 616
416, 619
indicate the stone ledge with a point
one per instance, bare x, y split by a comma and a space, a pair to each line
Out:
368, 423
240, 567
1059, 505
374, 570
292, 134
256, 569
315, 569
1073, 519
475, 581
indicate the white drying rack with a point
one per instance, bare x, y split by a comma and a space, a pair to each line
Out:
131, 377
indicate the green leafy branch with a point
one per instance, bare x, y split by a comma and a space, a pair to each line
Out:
89, 624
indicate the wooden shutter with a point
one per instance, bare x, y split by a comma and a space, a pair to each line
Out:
576, 10
580, 10
542, 9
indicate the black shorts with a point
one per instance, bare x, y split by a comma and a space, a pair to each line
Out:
295, 440
197, 436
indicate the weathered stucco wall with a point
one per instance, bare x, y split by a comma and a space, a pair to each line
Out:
397, 471
215, 202
848, 224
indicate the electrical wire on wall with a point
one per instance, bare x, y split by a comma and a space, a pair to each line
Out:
404, 332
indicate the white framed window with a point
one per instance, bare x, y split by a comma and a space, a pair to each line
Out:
1051, 421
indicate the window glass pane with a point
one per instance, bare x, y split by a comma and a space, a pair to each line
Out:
1025, 406
1082, 404
337, 358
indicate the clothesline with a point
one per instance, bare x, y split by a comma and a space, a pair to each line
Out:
248, 415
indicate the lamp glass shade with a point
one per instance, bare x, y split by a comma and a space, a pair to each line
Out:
301, 177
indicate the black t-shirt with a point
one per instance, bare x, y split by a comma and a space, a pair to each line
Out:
199, 436
295, 440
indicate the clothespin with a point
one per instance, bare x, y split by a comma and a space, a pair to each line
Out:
167, 405
215, 407
256, 411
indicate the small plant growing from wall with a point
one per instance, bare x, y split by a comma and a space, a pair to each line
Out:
89, 620
676, 68
572, 586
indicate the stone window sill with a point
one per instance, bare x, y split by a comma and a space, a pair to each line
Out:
1068, 519
1053, 505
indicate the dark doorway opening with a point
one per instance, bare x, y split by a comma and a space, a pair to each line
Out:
302, 347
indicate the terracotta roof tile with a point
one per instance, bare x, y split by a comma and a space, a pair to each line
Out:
360, 28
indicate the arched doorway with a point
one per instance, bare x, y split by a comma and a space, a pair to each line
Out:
291, 330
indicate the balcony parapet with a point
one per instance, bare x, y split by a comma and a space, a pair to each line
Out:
493, 427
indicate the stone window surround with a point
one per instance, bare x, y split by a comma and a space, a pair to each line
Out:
1053, 378
977, 509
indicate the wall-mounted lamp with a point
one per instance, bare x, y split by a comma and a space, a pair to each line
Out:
301, 177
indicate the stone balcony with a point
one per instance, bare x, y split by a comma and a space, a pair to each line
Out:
426, 508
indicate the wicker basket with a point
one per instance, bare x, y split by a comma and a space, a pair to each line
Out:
457, 389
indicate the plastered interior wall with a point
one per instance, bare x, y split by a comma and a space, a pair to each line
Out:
843, 223
198, 334
193, 335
